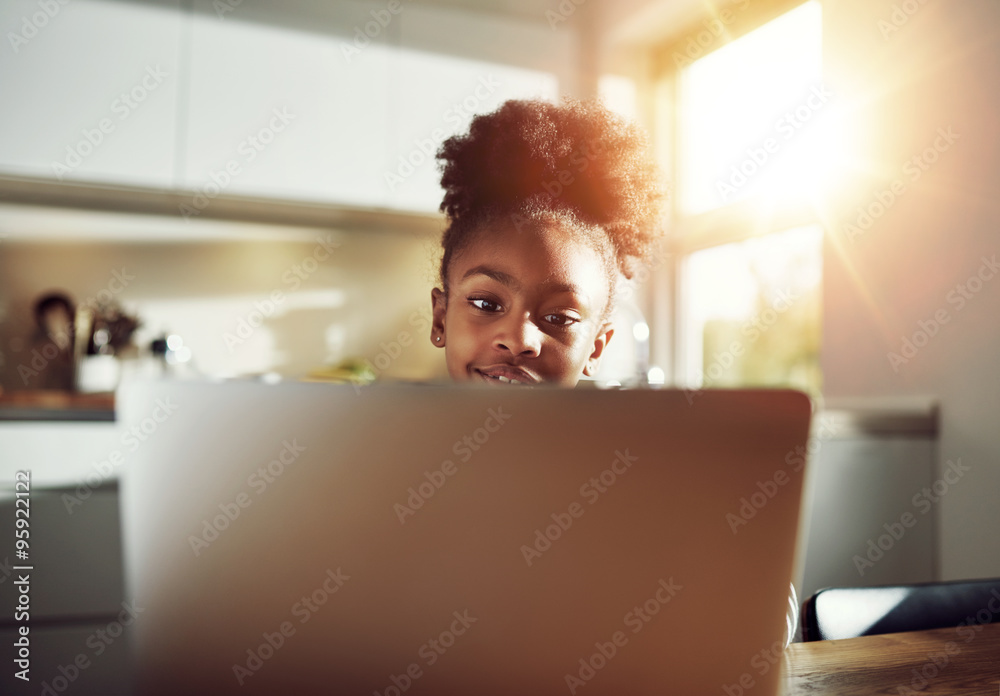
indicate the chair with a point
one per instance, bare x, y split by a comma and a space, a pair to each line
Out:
849, 612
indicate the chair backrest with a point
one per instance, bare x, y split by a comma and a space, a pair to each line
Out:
849, 612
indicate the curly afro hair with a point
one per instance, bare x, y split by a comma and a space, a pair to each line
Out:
574, 163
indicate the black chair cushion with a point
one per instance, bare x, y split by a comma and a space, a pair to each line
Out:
845, 612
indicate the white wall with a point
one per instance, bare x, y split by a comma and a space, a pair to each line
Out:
939, 70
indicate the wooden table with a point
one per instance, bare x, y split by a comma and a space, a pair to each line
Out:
929, 663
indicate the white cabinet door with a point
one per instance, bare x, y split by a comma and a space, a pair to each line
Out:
341, 102
452, 66
90, 90
286, 113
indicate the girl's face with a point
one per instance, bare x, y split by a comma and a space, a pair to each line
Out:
523, 306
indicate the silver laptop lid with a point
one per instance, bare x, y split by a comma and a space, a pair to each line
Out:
443, 540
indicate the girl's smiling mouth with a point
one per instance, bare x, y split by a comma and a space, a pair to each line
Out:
506, 374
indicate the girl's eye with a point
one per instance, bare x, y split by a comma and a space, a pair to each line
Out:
484, 304
560, 319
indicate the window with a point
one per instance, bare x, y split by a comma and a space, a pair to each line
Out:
753, 311
751, 143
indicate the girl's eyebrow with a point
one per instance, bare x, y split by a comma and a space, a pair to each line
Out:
505, 279
513, 283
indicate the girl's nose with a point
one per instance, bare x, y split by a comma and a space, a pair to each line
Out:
519, 335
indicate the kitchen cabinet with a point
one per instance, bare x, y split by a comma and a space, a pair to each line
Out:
90, 90
78, 605
342, 103
370, 95
84, 452
284, 112
451, 66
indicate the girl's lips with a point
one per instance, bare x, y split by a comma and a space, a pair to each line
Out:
506, 374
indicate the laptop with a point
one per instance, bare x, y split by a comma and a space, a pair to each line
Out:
411, 539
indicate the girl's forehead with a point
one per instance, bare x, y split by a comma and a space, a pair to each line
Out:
548, 254
553, 241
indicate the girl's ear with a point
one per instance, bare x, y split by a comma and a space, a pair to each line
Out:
600, 343
439, 303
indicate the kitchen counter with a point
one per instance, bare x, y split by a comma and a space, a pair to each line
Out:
51, 405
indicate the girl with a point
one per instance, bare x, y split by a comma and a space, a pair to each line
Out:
548, 206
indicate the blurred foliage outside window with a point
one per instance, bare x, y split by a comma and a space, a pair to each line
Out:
754, 312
